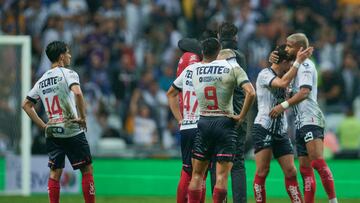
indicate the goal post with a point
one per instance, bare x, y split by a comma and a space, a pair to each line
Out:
25, 77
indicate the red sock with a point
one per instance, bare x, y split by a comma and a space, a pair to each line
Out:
219, 195
182, 190
308, 177
54, 190
203, 191
259, 189
88, 188
194, 196
292, 188
326, 176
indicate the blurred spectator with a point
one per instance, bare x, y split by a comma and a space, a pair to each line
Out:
349, 134
143, 126
351, 75
330, 50
331, 88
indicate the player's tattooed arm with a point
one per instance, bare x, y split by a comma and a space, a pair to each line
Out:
301, 56
297, 98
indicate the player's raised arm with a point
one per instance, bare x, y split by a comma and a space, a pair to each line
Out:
284, 81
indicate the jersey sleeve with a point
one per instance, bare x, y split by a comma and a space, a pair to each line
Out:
305, 75
240, 74
178, 83
72, 78
33, 95
265, 78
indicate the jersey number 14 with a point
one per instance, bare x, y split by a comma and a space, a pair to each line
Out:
55, 108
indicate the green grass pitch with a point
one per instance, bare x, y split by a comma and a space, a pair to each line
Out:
116, 199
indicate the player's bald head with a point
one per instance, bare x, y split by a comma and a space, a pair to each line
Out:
226, 54
299, 39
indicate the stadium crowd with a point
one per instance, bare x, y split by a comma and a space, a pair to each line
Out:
126, 54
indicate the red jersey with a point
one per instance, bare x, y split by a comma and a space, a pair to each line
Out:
186, 59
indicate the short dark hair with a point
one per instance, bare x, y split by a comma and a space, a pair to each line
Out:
283, 55
208, 33
210, 47
227, 30
55, 49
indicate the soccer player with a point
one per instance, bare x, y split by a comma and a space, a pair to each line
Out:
214, 82
227, 35
191, 54
59, 90
187, 114
309, 122
270, 135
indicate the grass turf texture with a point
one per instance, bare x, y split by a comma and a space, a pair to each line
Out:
114, 199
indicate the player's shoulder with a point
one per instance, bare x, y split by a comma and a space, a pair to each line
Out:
308, 65
68, 71
266, 71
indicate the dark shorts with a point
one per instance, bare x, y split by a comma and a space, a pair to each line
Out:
306, 134
217, 137
280, 144
75, 148
187, 143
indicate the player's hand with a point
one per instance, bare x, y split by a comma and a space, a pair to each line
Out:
274, 57
276, 111
304, 54
48, 132
81, 122
237, 118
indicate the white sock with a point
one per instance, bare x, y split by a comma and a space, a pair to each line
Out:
333, 200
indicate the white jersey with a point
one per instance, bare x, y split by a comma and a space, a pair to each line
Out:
268, 98
190, 107
308, 111
53, 89
214, 85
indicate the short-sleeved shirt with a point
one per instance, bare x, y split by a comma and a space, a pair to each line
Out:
268, 98
308, 111
214, 85
53, 89
190, 103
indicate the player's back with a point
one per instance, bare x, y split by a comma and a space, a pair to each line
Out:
214, 85
53, 88
190, 109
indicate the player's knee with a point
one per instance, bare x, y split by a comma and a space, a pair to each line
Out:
86, 169
290, 171
263, 171
55, 174
315, 156
221, 179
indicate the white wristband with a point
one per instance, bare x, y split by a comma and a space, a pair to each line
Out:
285, 104
296, 64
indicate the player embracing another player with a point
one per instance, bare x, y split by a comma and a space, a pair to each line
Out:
309, 121
270, 134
